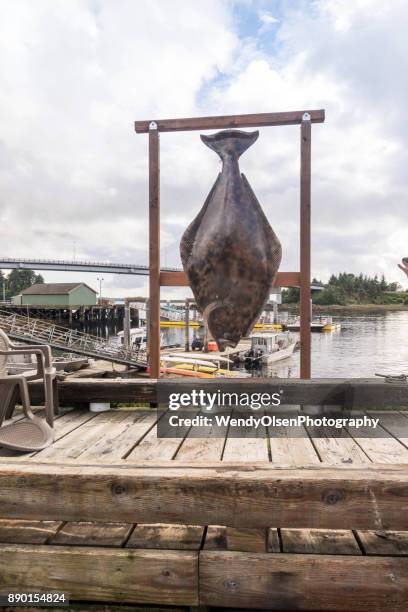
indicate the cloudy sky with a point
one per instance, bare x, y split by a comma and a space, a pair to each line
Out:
75, 74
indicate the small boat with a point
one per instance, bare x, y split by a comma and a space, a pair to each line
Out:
138, 337
268, 327
268, 347
207, 366
69, 363
325, 324
65, 362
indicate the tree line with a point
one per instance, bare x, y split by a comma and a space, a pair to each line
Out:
16, 281
346, 288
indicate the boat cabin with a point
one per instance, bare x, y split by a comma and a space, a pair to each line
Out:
269, 342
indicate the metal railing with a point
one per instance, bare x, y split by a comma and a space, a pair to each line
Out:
31, 330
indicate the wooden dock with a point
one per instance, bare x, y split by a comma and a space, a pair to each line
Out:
111, 513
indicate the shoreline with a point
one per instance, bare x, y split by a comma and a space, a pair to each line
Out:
318, 308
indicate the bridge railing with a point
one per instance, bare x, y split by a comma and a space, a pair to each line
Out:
79, 262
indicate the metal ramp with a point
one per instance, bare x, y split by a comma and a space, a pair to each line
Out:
38, 331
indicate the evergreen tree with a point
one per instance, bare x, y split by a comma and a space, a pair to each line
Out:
18, 280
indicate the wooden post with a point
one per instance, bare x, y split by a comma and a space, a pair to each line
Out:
126, 325
187, 326
305, 293
154, 251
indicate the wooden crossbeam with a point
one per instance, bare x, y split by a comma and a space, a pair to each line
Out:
355, 393
179, 279
230, 121
231, 494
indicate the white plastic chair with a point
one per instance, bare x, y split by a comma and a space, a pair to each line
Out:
31, 433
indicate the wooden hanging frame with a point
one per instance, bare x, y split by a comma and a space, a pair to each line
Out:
300, 279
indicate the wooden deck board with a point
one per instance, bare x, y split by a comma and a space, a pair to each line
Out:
393, 422
319, 541
84, 533
339, 450
381, 447
27, 532
286, 447
128, 435
203, 450
246, 448
388, 543
170, 537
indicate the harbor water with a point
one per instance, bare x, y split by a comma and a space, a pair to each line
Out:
366, 344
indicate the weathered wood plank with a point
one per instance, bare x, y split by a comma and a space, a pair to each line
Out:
119, 438
380, 446
373, 392
205, 449
229, 121
151, 448
303, 582
247, 449
339, 450
236, 495
319, 541
247, 540
215, 538
84, 390
241, 446
92, 534
289, 448
389, 543
312, 392
393, 422
171, 537
92, 434
102, 574
27, 532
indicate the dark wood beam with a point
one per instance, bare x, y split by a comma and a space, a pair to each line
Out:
305, 268
229, 121
154, 253
357, 393
179, 279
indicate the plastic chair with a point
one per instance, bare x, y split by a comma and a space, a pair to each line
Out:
31, 433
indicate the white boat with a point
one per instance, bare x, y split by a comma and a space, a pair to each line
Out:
268, 347
138, 337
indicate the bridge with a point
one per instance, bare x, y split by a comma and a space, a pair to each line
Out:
38, 331
8, 263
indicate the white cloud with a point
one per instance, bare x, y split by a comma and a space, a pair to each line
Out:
75, 74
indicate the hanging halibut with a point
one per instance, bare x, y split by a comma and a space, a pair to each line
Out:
230, 253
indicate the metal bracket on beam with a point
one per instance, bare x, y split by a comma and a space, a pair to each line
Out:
306, 117
152, 125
